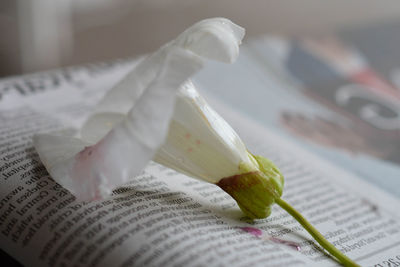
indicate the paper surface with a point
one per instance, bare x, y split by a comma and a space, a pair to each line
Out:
164, 218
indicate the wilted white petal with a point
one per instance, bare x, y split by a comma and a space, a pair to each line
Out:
215, 39
98, 125
55, 151
132, 120
201, 143
219, 33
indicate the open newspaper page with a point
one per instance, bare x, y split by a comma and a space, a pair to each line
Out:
162, 218
339, 95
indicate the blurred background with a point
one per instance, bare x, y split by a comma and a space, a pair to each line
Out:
44, 34
329, 82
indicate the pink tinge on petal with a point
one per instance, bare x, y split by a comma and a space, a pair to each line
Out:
84, 176
253, 231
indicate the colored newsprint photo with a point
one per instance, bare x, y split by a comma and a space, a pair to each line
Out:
336, 94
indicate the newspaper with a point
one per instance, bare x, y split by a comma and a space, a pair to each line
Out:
163, 218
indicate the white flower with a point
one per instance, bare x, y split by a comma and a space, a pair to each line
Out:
132, 121
200, 142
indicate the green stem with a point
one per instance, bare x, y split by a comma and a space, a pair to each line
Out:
317, 235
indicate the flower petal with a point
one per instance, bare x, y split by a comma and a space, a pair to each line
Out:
201, 143
136, 114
